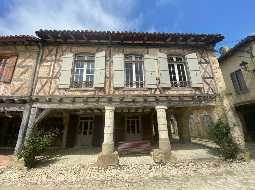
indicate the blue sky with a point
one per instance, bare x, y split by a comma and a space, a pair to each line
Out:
235, 19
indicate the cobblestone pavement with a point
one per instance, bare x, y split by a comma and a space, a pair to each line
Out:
78, 171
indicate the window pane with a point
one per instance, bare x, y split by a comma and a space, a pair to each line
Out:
181, 74
134, 71
129, 74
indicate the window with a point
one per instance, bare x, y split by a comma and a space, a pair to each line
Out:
2, 66
238, 81
133, 126
177, 72
134, 71
206, 120
83, 71
86, 126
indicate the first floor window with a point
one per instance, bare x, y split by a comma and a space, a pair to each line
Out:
134, 71
83, 71
177, 72
238, 81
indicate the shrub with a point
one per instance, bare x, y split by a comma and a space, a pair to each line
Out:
220, 133
36, 145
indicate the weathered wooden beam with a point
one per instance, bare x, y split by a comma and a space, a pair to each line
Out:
66, 118
22, 129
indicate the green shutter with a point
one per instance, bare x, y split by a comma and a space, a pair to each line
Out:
164, 71
150, 66
194, 70
65, 72
118, 70
99, 73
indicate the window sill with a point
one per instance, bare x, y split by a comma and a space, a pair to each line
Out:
135, 89
181, 88
82, 89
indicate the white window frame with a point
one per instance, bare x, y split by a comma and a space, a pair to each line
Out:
85, 61
175, 63
134, 83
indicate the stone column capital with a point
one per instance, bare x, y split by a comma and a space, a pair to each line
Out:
161, 107
109, 108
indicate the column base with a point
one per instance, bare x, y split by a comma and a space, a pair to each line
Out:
107, 148
164, 145
162, 157
105, 160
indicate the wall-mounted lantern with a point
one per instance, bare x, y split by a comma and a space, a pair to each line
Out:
244, 66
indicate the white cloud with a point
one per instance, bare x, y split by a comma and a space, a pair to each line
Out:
27, 16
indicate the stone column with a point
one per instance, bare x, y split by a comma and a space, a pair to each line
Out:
108, 144
22, 129
164, 143
182, 118
66, 118
107, 157
163, 154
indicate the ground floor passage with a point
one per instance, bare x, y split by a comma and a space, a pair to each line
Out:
9, 128
91, 127
246, 114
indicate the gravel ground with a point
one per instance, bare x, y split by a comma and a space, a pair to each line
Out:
78, 171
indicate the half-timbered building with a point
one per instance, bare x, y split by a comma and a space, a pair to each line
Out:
102, 88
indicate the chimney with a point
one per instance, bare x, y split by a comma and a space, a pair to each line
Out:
224, 50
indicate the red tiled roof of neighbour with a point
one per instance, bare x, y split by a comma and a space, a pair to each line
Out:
127, 37
242, 43
18, 38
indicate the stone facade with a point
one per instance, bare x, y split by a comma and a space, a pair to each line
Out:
240, 102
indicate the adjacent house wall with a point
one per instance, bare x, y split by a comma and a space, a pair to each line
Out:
23, 72
232, 64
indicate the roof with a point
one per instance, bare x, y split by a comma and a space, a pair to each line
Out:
128, 37
18, 39
242, 43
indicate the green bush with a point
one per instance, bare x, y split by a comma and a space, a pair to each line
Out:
36, 145
220, 133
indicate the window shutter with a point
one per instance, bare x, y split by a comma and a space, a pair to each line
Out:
194, 70
235, 82
9, 68
164, 71
118, 70
150, 65
65, 72
99, 73
241, 81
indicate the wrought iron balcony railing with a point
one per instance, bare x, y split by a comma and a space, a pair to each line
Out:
134, 84
82, 84
181, 84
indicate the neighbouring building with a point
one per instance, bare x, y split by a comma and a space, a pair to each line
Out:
102, 88
238, 68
